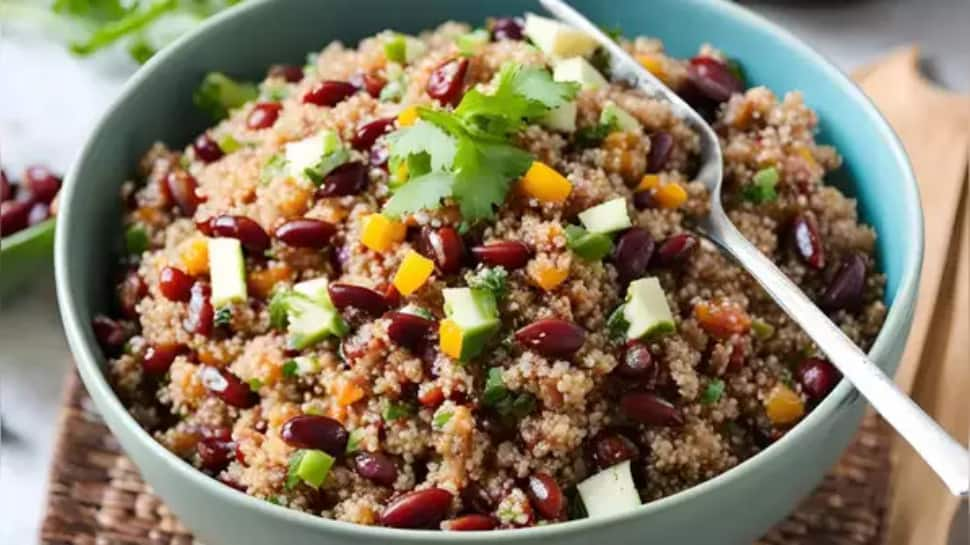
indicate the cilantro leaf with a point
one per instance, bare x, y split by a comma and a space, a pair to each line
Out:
712, 394
441, 419
616, 324
495, 389
290, 368
421, 193
425, 137
493, 279
762, 186
136, 239
223, 317
484, 172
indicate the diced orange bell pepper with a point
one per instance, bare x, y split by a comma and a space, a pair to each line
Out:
722, 320
194, 255
348, 393
542, 182
548, 276
450, 338
408, 116
380, 233
413, 273
671, 195
653, 63
783, 405
262, 282
649, 181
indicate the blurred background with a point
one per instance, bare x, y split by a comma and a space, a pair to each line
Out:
50, 98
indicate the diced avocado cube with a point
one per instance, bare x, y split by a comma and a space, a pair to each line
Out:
306, 365
310, 322
470, 43
646, 309
313, 467
227, 269
557, 39
402, 48
579, 70
606, 217
562, 118
589, 246
315, 289
613, 115
318, 154
475, 313
610, 491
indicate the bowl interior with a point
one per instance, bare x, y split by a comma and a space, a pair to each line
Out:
157, 105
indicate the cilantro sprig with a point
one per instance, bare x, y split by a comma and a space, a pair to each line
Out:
467, 154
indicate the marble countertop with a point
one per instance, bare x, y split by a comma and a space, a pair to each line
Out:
50, 100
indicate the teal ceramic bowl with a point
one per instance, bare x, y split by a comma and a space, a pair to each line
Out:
735, 507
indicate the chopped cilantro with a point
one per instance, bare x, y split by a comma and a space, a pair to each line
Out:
223, 317
274, 167
136, 239
441, 419
712, 394
593, 136
218, 94
255, 384
141, 50
228, 144
616, 324
508, 404
495, 389
394, 410
589, 246
289, 368
517, 406
353, 441
493, 279
762, 186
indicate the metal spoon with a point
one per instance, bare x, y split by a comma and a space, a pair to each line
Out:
948, 458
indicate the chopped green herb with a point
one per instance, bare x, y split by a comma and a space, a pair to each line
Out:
517, 406
712, 394
129, 22
223, 317
228, 144
394, 410
255, 384
274, 167
593, 136
441, 419
218, 94
589, 246
140, 50
762, 329
275, 500
289, 368
493, 279
617, 324
396, 48
136, 239
762, 186
495, 389
471, 43
353, 441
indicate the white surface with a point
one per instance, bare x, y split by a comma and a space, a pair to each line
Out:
49, 101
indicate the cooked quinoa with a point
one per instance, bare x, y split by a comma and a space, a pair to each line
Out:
499, 437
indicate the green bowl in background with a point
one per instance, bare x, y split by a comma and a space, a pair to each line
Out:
734, 507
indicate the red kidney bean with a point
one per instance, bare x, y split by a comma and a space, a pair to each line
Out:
369, 132
632, 254
316, 432
418, 509
249, 233
470, 523
329, 93
507, 28
644, 199
376, 467
476, 499
130, 291
306, 233
661, 146
378, 157
675, 250
738, 357
206, 149
511, 254
201, 313
371, 83
818, 377
109, 333
158, 358
546, 496
650, 409
205, 226
447, 82
13, 216
347, 179
552, 337
637, 362
408, 329
39, 212
806, 240
847, 286
181, 186
612, 447
263, 115
42, 183
432, 397
175, 284
348, 295
713, 79
289, 72
227, 387
6, 190
215, 453
444, 246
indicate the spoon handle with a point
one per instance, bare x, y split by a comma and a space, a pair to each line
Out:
948, 458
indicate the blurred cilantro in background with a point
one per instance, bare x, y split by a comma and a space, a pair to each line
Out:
143, 26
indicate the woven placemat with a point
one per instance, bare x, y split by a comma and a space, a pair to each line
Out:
97, 497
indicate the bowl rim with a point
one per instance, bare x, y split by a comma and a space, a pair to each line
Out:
844, 395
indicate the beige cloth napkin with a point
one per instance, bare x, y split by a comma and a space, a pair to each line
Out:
934, 126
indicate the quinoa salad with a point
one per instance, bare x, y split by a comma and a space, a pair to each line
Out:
450, 281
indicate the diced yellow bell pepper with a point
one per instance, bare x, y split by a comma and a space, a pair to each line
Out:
543, 182
450, 338
649, 181
653, 63
413, 273
783, 405
348, 393
194, 255
547, 276
806, 154
408, 116
671, 195
380, 233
